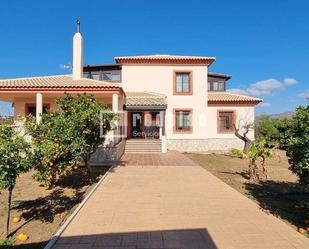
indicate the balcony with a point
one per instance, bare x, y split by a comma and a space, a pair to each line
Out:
112, 76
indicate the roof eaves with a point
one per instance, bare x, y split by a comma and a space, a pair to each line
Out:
221, 75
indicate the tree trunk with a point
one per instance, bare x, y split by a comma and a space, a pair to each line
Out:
244, 138
247, 145
264, 168
89, 169
9, 212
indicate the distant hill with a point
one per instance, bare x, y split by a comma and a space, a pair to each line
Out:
282, 115
277, 115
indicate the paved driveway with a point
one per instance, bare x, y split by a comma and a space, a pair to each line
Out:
173, 207
171, 158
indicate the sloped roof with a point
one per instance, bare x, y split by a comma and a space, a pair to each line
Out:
164, 59
163, 56
56, 81
145, 99
220, 75
228, 97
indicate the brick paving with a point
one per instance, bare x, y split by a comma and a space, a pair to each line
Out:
171, 158
176, 207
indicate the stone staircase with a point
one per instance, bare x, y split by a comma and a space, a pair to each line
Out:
145, 146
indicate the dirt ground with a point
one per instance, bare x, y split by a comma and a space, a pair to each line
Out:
280, 194
43, 211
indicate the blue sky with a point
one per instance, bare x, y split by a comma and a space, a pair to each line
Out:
262, 44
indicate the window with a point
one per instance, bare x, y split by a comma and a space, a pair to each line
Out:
226, 121
107, 76
92, 75
216, 86
182, 83
31, 109
111, 76
183, 120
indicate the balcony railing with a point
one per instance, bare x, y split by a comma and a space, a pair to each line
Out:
113, 76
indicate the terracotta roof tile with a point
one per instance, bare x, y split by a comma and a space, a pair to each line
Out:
57, 81
164, 56
164, 59
231, 97
145, 99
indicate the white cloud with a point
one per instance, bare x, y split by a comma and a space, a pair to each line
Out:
304, 94
265, 87
289, 81
265, 104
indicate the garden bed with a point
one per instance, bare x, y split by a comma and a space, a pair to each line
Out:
280, 194
43, 211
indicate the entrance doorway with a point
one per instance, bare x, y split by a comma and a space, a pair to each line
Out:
137, 124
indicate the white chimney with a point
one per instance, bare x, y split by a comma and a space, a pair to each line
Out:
77, 54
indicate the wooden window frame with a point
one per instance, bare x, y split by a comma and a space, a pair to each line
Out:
190, 110
211, 86
27, 105
233, 122
190, 83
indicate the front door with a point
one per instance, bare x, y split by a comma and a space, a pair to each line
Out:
137, 124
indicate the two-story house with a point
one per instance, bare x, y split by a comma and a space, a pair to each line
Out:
166, 102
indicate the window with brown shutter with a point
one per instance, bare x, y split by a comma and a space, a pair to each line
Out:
183, 120
226, 121
182, 83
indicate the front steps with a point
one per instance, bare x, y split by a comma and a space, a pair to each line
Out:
144, 146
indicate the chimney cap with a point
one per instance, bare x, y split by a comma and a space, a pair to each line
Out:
78, 26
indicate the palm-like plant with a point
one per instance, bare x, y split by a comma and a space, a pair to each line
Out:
256, 151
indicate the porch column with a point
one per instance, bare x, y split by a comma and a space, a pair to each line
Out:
162, 132
115, 109
39, 107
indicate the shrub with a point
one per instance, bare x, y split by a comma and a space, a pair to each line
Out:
298, 144
275, 131
66, 137
258, 168
238, 153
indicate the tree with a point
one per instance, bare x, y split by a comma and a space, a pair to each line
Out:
66, 137
265, 128
275, 131
257, 155
298, 144
257, 167
14, 159
242, 133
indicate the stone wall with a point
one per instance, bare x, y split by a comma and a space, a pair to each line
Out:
210, 144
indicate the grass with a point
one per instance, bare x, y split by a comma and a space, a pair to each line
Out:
6, 242
280, 194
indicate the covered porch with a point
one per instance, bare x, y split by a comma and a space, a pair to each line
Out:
145, 113
36, 95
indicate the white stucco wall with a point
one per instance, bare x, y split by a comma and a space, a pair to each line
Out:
244, 115
20, 103
160, 79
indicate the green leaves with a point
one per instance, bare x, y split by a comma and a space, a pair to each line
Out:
275, 131
14, 156
298, 144
66, 137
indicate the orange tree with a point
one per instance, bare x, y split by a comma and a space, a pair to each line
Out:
298, 144
14, 159
66, 137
